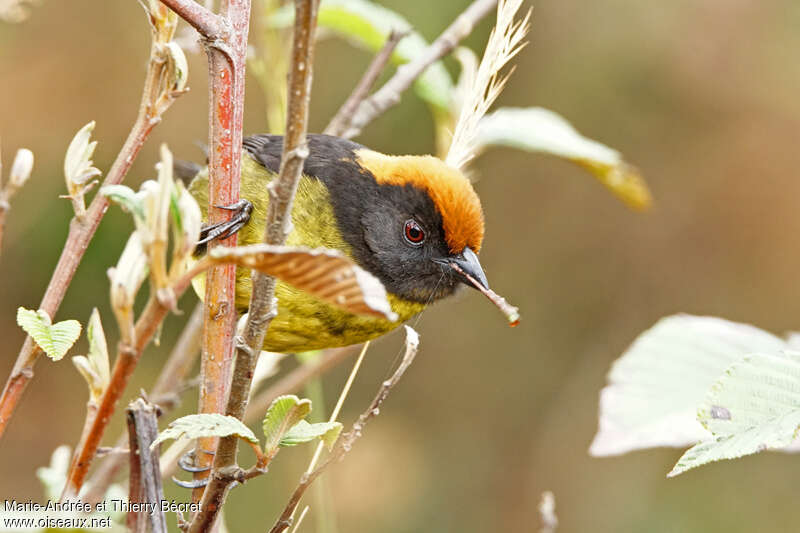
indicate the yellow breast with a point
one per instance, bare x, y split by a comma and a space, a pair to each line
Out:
303, 322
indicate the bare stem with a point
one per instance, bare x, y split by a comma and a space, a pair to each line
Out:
145, 479
341, 120
169, 384
262, 306
345, 443
227, 56
127, 357
155, 100
206, 22
389, 94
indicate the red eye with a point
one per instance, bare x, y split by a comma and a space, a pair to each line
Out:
413, 233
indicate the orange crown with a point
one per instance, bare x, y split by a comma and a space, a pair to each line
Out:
451, 192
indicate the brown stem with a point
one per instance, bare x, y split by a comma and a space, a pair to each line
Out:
389, 95
155, 101
169, 383
345, 443
210, 25
145, 479
226, 69
262, 304
341, 120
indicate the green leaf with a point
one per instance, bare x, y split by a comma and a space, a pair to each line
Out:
539, 130
283, 414
126, 198
54, 339
754, 406
654, 388
205, 425
305, 432
367, 25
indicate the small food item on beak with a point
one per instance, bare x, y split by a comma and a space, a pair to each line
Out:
511, 312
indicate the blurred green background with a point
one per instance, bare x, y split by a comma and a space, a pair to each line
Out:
701, 95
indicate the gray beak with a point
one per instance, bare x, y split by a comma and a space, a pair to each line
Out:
466, 265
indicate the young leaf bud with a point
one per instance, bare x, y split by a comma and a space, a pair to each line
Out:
78, 169
178, 73
186, 223
126, 278
157, 219
20, 170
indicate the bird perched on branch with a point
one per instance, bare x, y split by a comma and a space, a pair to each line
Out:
413, 222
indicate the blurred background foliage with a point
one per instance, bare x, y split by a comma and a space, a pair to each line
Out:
701, 96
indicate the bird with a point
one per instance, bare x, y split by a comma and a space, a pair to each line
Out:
412, 221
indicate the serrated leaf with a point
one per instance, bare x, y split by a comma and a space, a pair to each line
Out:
327, 274
305, 432
539, 130
654, 388
367, 25
55, 339
282, 415
754, 406
205, 425
126, 198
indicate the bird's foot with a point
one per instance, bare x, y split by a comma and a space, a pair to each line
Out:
222, 230
186, 463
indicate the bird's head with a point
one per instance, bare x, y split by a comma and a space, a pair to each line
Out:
412, 221
418, 227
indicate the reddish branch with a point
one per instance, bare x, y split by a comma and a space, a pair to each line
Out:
124, 365
154, 102
225, 39
262, 302
165, 393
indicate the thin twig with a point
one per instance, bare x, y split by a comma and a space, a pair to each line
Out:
340, 402
181, 359
148, 323
205, 21
156, 98
389, 94
345, 443
20, 172
262, 302
169, 383
340, 121
145, 479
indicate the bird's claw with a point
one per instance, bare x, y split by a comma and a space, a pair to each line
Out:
222, 230
186, 462
194, 484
